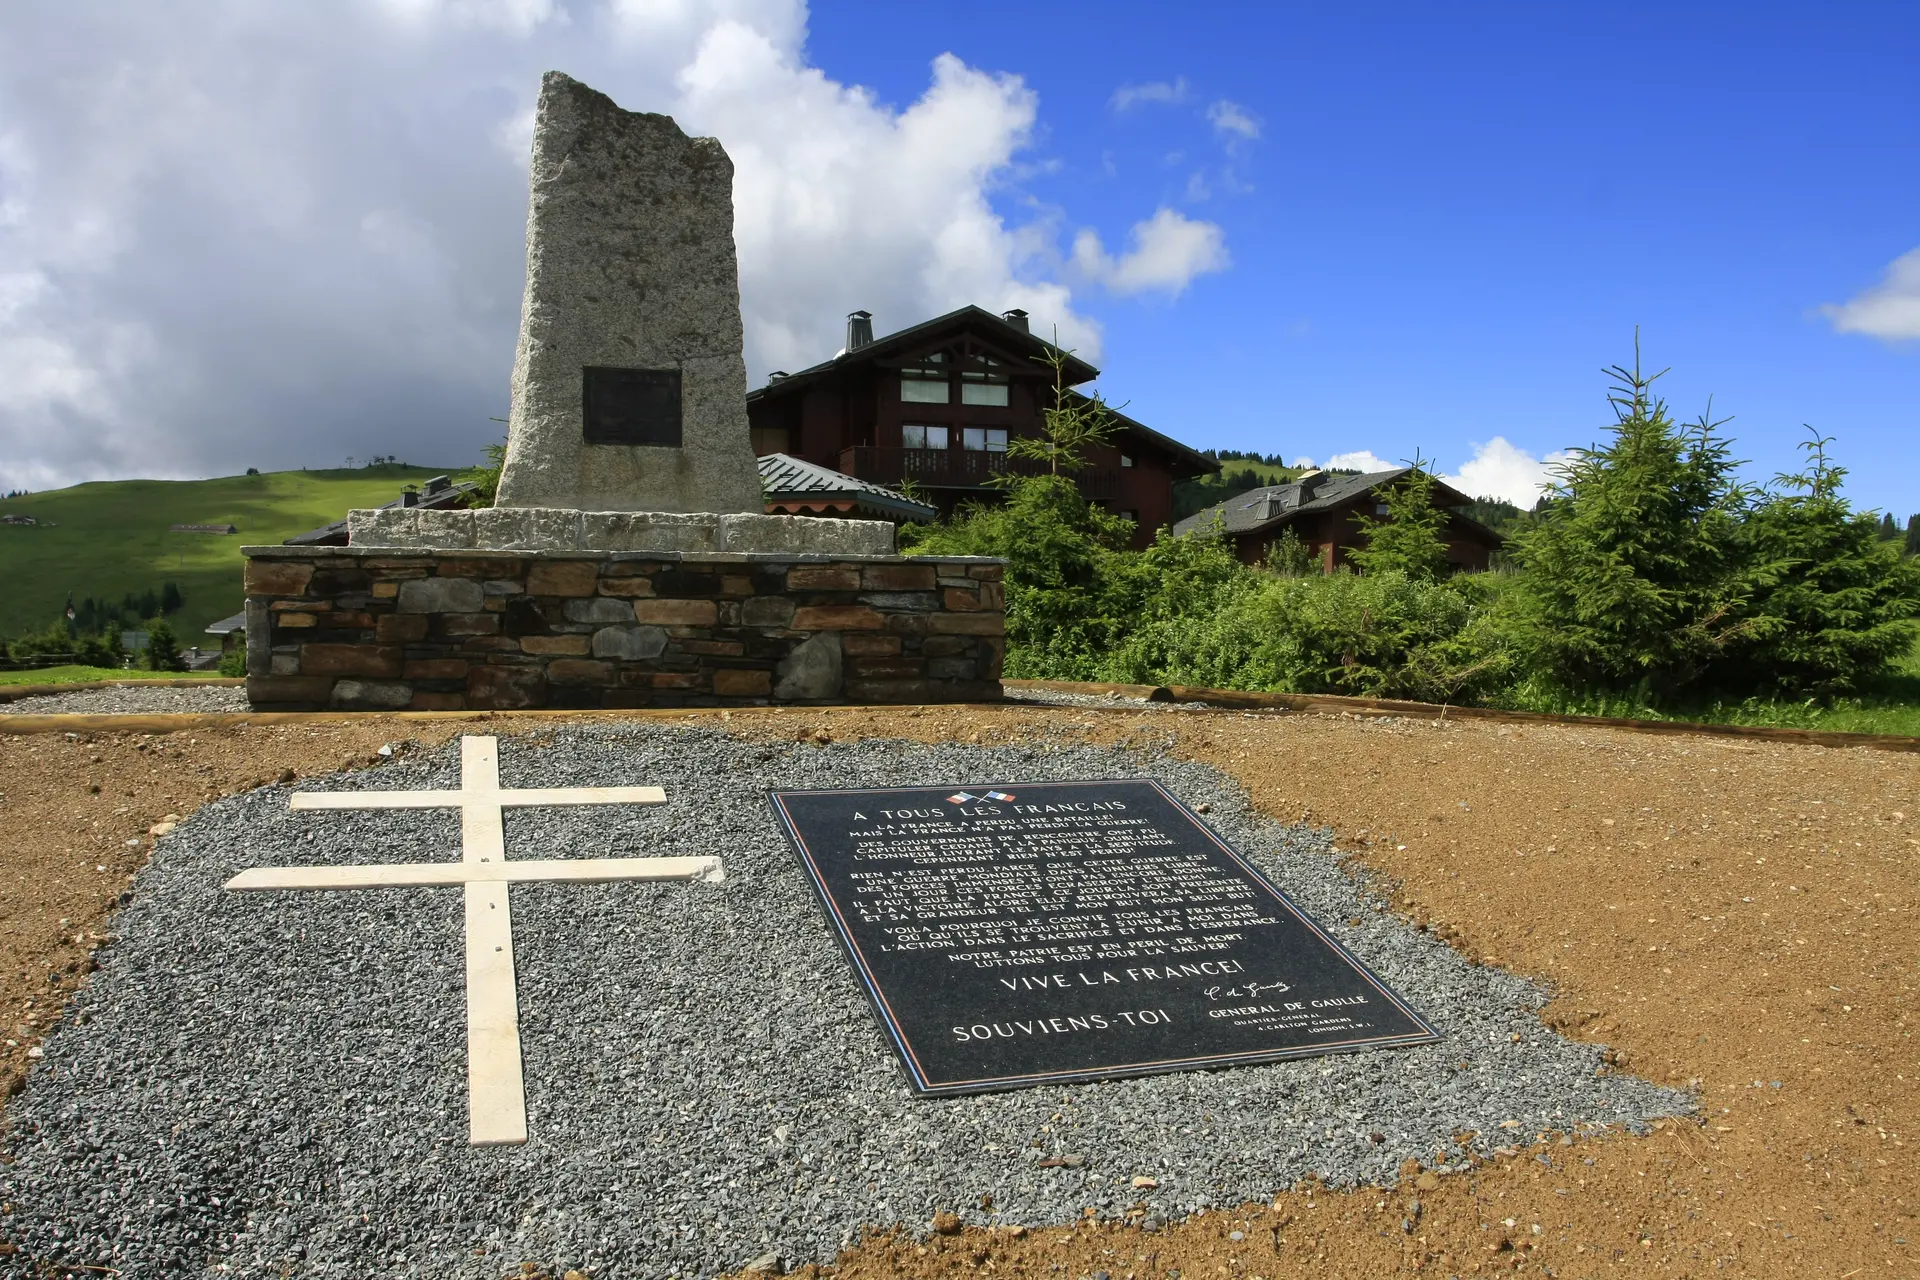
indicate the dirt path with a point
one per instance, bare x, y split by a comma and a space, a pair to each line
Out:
1736, 916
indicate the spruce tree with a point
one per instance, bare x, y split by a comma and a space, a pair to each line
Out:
1635, 575
163, 647
1913, 535
1839, 599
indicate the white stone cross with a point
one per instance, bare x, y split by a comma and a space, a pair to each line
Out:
496, 1095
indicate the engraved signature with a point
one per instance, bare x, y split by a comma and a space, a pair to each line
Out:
1245, 990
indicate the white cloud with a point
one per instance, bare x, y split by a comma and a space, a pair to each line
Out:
234, 234
1233, 119
1358, 460
1166, 252
1500, 469
1128, 96
1890, 310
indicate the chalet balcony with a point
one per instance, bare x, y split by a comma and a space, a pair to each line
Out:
962, 469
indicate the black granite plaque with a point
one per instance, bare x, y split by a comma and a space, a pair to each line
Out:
1030, 933
631, 406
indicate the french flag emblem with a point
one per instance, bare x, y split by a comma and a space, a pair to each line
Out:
1001, 796
961, 797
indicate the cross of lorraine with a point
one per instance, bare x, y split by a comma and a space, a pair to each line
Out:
496, 1092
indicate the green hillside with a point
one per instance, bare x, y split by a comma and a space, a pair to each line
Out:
109, 538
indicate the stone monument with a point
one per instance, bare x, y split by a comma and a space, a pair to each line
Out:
629, 388
628, 560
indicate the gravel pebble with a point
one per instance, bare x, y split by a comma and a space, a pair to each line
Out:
131, 700
275, 1084
1065, 698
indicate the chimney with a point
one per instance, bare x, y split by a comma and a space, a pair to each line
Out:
859, 329
776, 375
1017, 318
409, 497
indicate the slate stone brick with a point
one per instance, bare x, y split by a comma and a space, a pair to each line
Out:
898, 577
506, 688
277, 577
563, 578
677, 612
837, 617
351, 660
730, 682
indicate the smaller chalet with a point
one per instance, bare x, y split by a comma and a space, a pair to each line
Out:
1321, 507
936, 405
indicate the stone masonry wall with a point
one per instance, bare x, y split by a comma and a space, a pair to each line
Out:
369, 628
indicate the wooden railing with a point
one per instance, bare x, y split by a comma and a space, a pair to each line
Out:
962, 469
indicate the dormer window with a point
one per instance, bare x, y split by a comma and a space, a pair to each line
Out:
985, 385
928, 382
1125, 461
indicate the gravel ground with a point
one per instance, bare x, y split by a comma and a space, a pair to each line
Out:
277, 1083
131, 700
1062, 698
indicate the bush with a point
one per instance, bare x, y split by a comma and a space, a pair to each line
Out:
1381, 635
1059, 548
233, 663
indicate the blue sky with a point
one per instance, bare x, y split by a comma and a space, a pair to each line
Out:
234, 234
1455, 216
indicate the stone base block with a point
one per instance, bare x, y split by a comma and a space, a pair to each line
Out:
554, 529
363, 628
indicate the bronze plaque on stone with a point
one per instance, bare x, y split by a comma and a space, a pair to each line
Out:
632, 406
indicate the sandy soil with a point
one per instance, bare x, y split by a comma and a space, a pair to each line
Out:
1738, 917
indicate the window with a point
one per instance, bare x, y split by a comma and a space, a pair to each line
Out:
918, 437
1125, 461
926, 382
1126, 513
985, 439
985, 386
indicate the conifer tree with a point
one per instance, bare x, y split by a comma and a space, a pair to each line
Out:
1635, 569
1839, 599
163, 647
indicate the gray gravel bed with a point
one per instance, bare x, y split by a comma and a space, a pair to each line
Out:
1063, 698
274, 1084
131, 700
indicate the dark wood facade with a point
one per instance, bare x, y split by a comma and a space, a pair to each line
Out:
937, 404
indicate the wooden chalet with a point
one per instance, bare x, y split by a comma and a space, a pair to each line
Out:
1321, 509
936, 405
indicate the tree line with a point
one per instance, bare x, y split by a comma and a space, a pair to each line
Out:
1649, 575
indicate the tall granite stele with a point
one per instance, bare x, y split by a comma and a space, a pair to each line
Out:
629, 390
628, 560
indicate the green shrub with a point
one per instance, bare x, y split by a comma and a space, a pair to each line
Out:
1380, 635
1059, 549
233, 663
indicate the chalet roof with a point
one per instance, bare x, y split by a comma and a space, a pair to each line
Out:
227, 626
785, 477
1279, 504
1011, 336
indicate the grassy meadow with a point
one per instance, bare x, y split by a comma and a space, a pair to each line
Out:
108, 538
